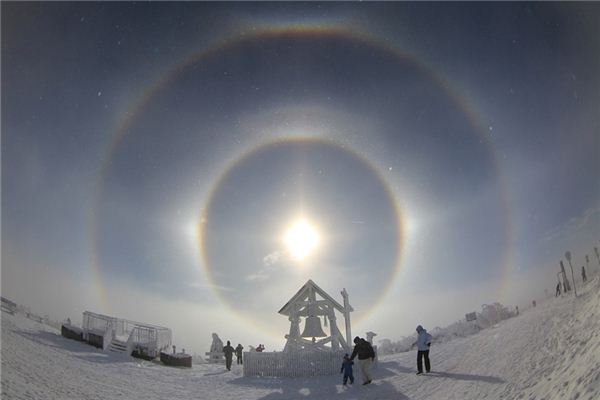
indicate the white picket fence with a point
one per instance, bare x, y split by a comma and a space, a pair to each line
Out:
292, 364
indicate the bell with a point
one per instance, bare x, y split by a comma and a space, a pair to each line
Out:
312, 327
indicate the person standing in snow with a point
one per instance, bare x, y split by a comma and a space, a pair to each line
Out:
228, 351
423, 344
366, 356
557, 290
347, 369
583, 275
238, 353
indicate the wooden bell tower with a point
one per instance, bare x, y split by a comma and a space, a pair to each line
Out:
312, 303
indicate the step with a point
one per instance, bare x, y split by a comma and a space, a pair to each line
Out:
116, 346
116, 351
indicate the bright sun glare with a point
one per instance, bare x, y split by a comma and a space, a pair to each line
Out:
301, 239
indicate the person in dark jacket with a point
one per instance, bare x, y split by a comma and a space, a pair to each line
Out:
583, 275
366, 357
347, 369
228, 352
423, 344
238, 353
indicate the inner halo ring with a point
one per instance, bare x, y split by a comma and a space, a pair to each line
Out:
206, 262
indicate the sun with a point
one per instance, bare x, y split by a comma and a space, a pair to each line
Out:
301, 239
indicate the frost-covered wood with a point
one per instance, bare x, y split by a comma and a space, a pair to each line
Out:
176, 360
9, 306
306, 305
140, 337
293, 364
71, 332
304, 354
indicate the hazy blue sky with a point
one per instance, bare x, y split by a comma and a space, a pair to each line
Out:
154, 156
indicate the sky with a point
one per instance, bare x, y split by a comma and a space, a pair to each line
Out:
155, 157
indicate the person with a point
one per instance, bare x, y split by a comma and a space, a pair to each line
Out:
583, 275
260, 348
238, 353
557, 290
366, 356
517, 307
228, 352
423, 345
347, 369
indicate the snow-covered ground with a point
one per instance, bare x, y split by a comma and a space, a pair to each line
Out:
551, 351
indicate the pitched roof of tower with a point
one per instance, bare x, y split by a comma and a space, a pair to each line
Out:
302, 295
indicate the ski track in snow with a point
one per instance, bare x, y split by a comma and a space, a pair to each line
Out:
551, 351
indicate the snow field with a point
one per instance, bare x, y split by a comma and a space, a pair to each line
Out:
548, 352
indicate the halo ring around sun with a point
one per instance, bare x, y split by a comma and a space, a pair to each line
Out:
238, 163
137, 108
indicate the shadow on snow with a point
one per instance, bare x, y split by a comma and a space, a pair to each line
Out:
465, 377
84, 350
325, 387
389, 368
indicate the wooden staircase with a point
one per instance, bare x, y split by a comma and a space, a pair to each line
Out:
118, 346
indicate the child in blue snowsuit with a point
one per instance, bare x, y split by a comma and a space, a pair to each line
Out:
347, 369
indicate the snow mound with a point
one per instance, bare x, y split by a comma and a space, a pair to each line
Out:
490, 315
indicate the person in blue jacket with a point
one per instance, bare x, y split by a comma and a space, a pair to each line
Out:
347, 369
423, 344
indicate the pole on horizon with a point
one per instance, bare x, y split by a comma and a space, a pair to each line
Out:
587, 265
568, 257
566, 284
558, 275
587, 262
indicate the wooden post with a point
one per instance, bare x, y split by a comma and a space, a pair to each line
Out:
568, 257
347, 310
333, 329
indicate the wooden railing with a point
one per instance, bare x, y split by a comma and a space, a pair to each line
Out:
151, 337
154, 338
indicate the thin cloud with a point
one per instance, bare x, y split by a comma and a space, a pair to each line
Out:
260, 276
573, 225
273, 258
270, 262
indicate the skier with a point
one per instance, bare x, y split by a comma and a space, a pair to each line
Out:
583, 275
423, 344
228, 351
347, 369
366, 356
557, 290
238, 353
